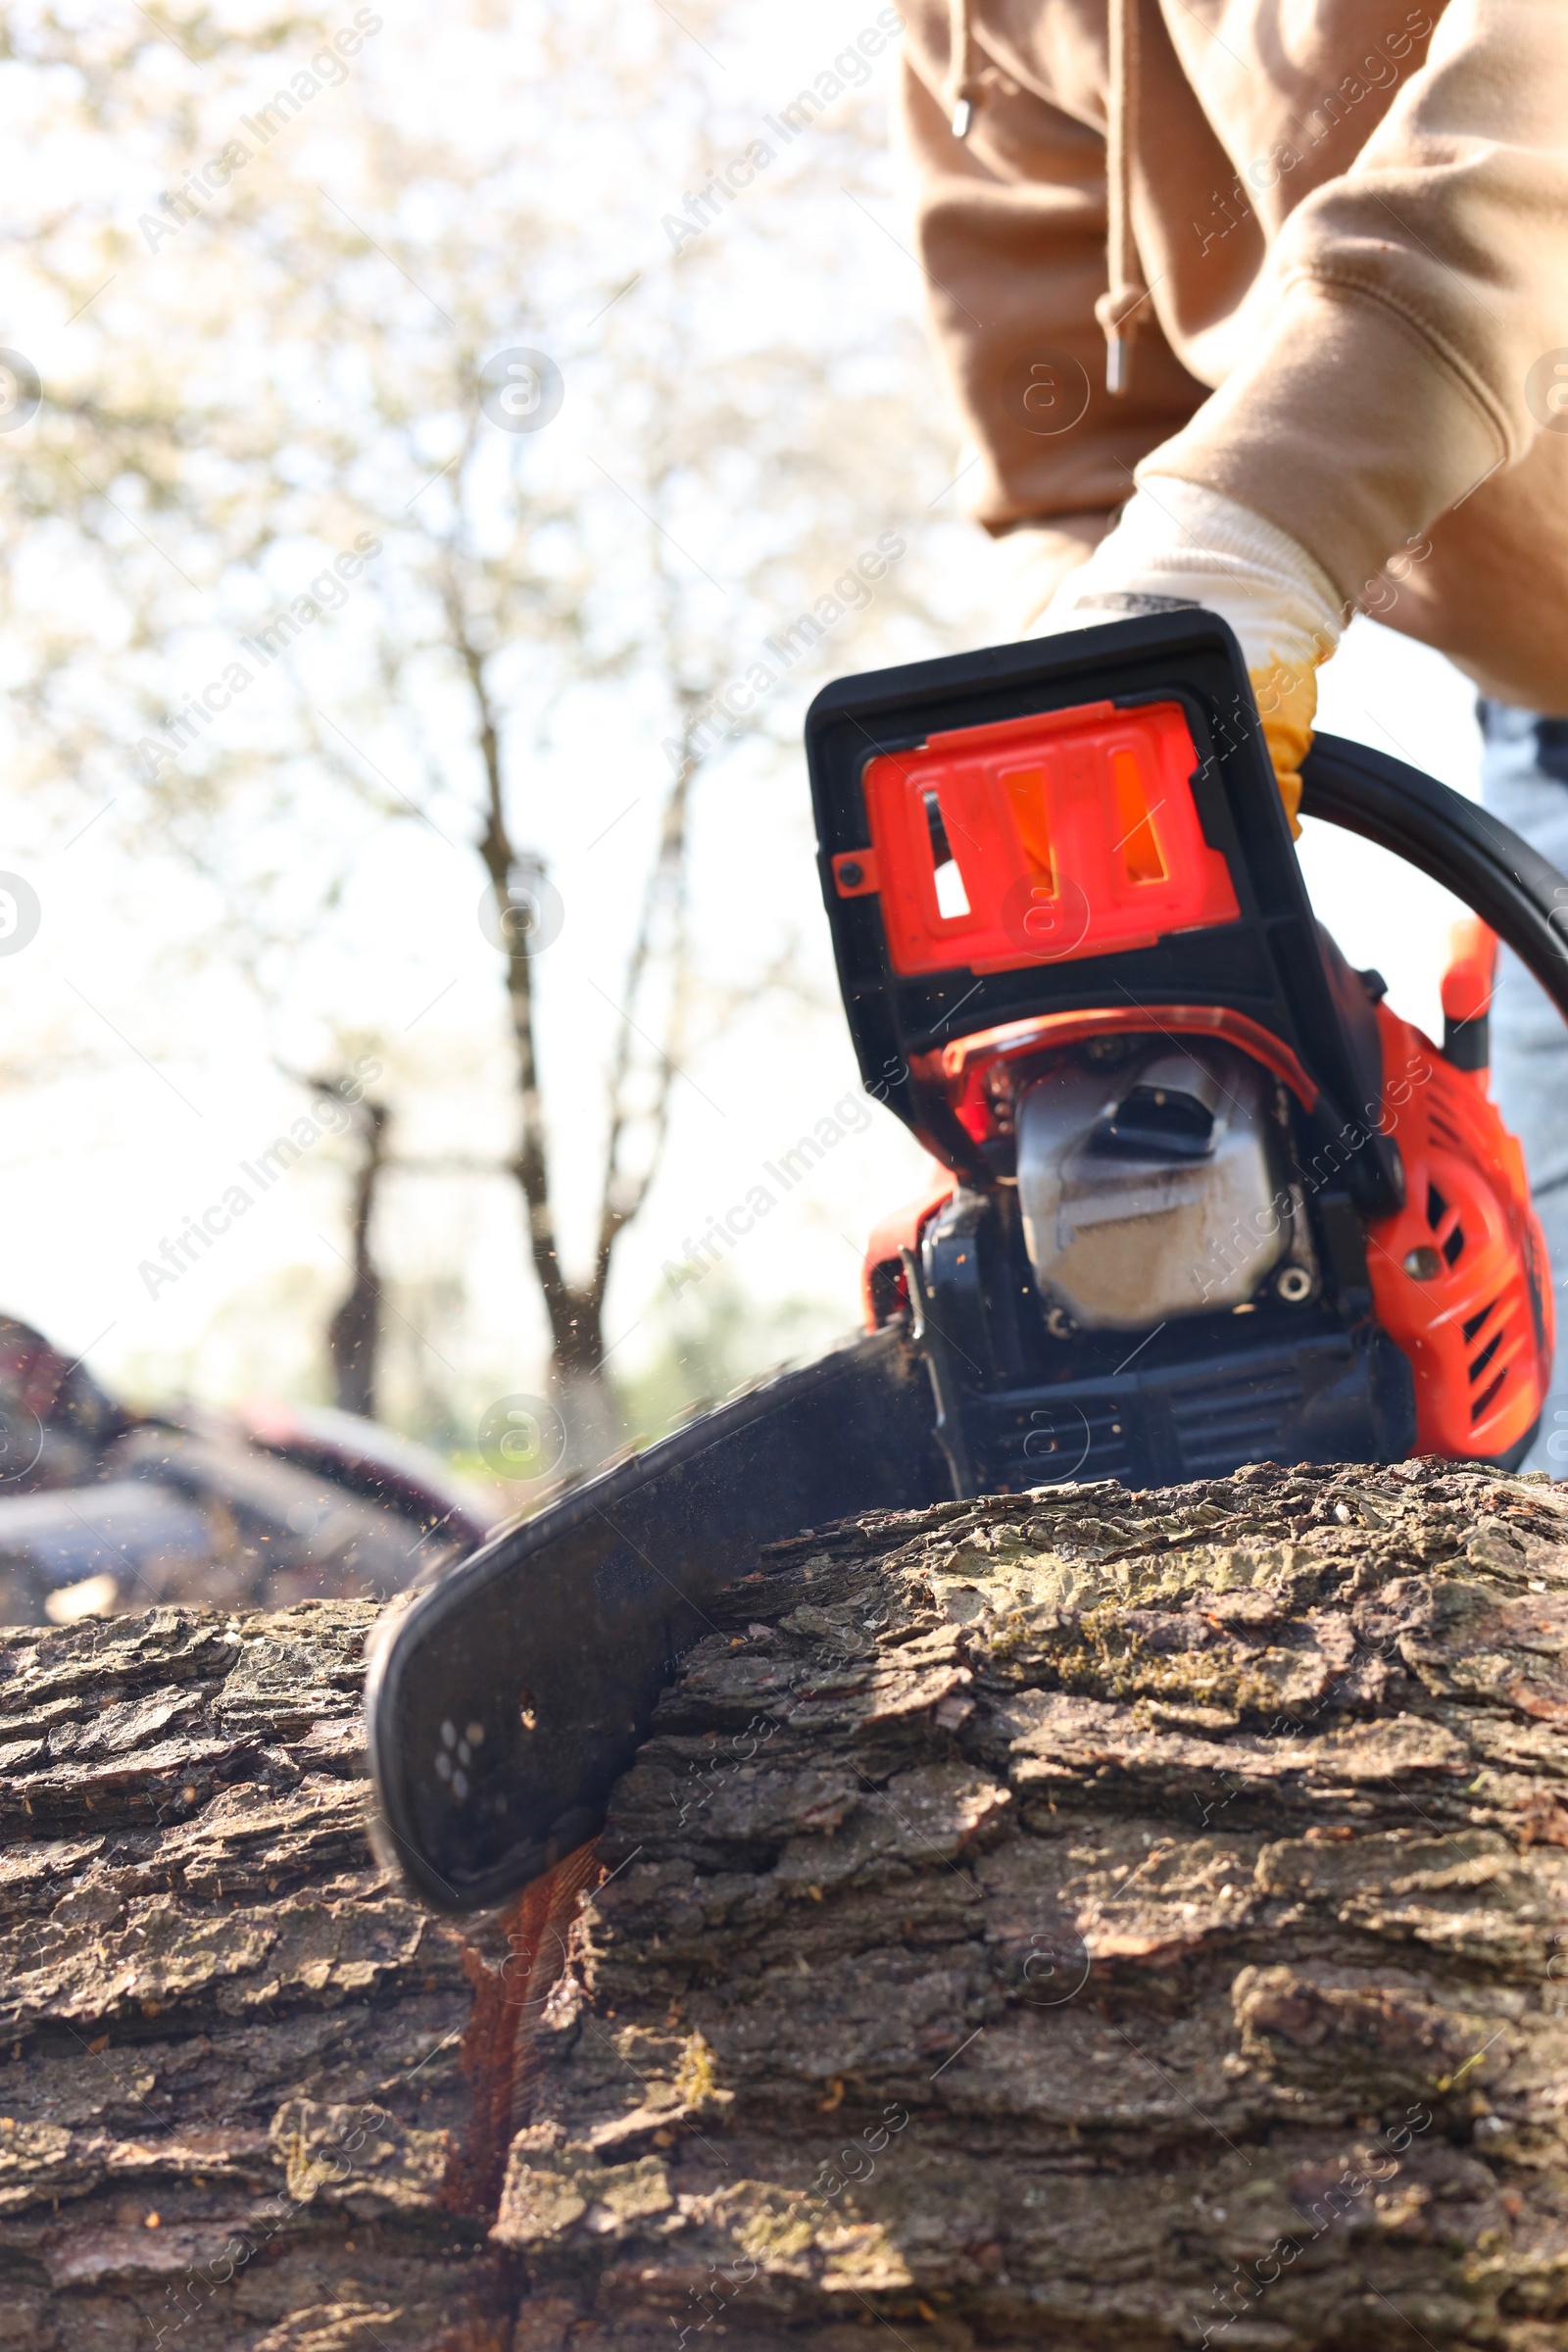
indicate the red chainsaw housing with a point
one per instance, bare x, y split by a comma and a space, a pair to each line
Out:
1459, 1277
1070, 834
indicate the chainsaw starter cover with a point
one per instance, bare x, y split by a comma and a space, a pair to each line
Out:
1153, 1198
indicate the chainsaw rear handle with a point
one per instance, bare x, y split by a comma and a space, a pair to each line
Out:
1517, 893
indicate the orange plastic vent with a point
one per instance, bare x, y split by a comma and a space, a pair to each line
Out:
1038, 839
1459, 1274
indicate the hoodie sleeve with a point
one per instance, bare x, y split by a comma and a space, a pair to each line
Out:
1414, 307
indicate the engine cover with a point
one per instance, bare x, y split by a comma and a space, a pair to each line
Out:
1158, 1198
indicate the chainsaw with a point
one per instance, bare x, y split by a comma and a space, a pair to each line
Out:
1201, 1197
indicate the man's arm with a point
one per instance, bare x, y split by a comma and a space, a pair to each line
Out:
1406, 303
1011, 226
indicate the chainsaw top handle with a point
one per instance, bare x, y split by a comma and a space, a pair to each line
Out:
1518, 894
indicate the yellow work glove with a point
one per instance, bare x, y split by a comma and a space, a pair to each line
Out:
1178, 543
1287, 705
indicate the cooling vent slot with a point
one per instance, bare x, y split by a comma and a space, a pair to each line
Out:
1042, 1442
1499, 1335
1222, 1421
1446, 1230
1474, 1322
952, 898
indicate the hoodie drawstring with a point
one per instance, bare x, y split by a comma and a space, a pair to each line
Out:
1126, 293
965, 85
1118, 306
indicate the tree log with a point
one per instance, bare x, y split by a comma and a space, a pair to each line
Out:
232, 2089
1104, 1921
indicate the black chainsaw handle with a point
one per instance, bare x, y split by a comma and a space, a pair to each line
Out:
1500, 877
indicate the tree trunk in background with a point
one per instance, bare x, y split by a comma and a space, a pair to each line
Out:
1084, 1919
585, 1399
354, 1334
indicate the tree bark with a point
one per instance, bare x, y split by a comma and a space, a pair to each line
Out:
234, 2111
1087, 1920
1099, 1921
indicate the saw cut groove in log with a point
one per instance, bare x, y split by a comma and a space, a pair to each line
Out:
1102, 1921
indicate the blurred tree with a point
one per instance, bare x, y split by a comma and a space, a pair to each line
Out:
354, 1333
398, 416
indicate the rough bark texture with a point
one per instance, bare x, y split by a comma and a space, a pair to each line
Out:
1090, 1920
233, 2051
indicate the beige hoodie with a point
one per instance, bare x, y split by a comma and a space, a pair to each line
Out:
1341, 255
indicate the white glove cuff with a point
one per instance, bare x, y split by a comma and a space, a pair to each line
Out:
1178, 540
